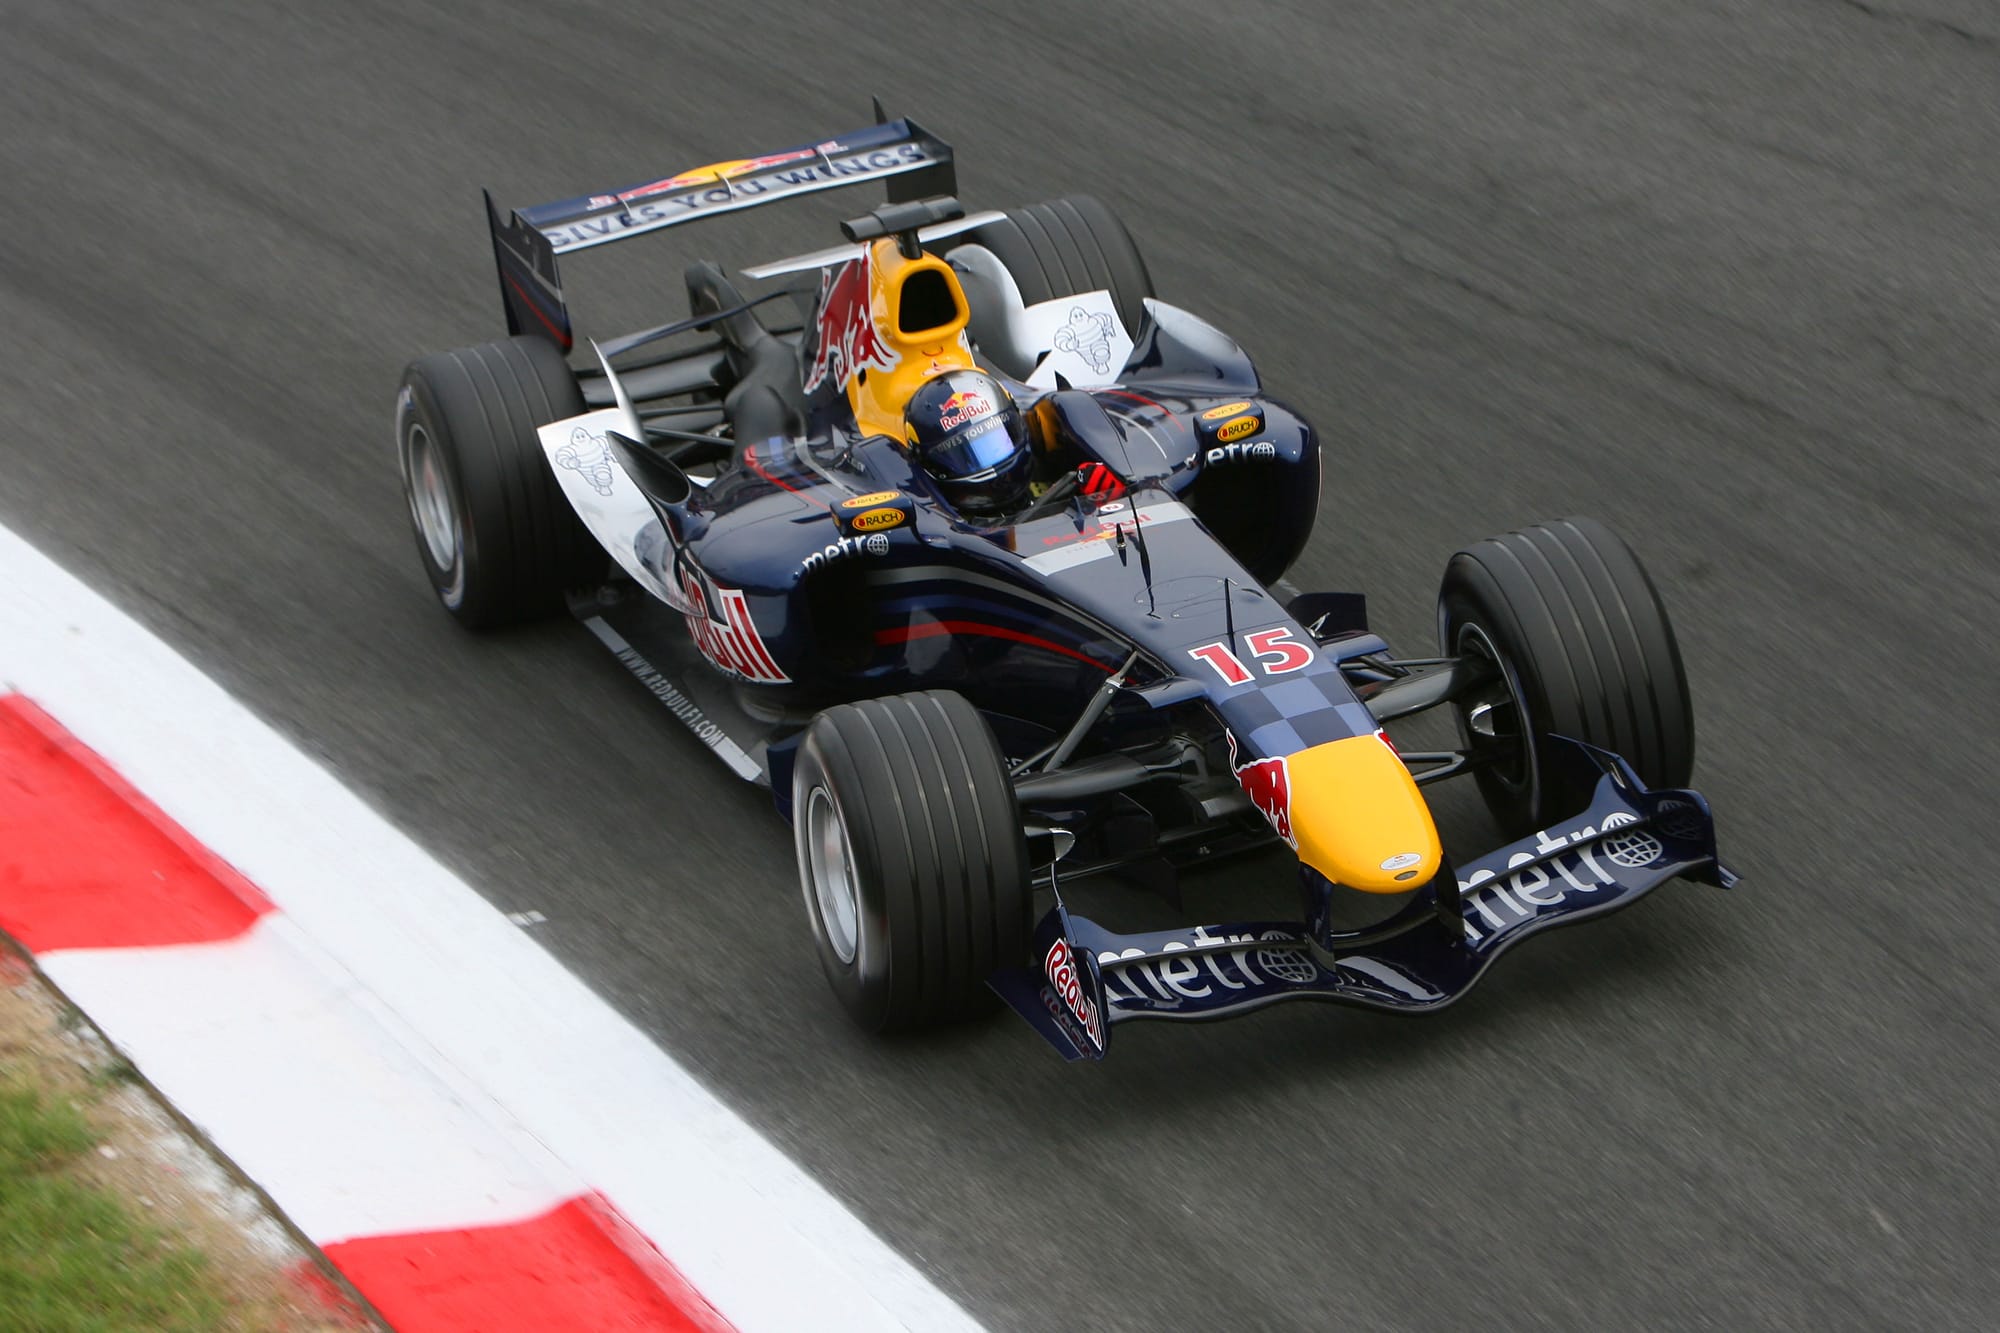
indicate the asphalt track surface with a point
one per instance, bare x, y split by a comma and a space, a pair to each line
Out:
1720, 273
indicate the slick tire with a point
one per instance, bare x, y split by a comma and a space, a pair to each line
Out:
911, 857
1582, 648
1068, 246
498, 539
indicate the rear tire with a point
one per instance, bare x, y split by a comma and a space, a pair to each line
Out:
1582, 648
1069, 246
496, 535
911, 858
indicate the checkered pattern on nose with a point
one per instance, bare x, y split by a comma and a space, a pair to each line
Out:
1295, 712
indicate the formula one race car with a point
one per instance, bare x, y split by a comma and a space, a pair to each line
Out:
976, 561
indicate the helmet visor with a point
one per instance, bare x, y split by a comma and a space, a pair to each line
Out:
980, 447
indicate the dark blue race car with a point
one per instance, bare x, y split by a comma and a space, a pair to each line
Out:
972, 551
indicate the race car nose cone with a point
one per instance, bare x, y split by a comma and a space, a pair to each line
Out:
1359, 819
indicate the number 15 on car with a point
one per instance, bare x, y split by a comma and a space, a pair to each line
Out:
1276, 651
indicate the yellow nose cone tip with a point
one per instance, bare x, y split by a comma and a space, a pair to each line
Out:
1359, 819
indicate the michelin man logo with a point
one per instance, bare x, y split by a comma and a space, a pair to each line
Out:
589, 456
1088, 336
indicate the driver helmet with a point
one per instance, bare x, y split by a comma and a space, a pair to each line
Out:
965, 431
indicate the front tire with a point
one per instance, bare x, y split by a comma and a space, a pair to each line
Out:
1579, 645
911, 858
498, 539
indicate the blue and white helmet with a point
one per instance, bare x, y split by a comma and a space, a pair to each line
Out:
965, 431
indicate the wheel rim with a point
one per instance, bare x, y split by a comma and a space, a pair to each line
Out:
830, 863
1493, 722
431, 502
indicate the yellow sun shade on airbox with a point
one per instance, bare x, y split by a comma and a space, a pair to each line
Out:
1359, 819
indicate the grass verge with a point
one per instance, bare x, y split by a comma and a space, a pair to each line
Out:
73, 1257
114, 1221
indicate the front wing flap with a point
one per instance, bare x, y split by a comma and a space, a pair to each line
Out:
1629, 842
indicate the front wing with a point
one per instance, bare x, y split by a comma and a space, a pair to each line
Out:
1087, 980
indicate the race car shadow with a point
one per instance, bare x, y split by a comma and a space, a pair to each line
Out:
1565, 992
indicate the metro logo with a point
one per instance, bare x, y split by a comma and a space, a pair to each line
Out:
1230, 453
1495, 904
845, 338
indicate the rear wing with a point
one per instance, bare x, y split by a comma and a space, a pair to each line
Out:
913, 163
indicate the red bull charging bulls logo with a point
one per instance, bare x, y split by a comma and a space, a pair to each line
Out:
963, 406
1268, 783
845, 340
730, 639
1061, 970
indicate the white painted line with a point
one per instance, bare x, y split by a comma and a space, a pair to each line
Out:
474, 999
